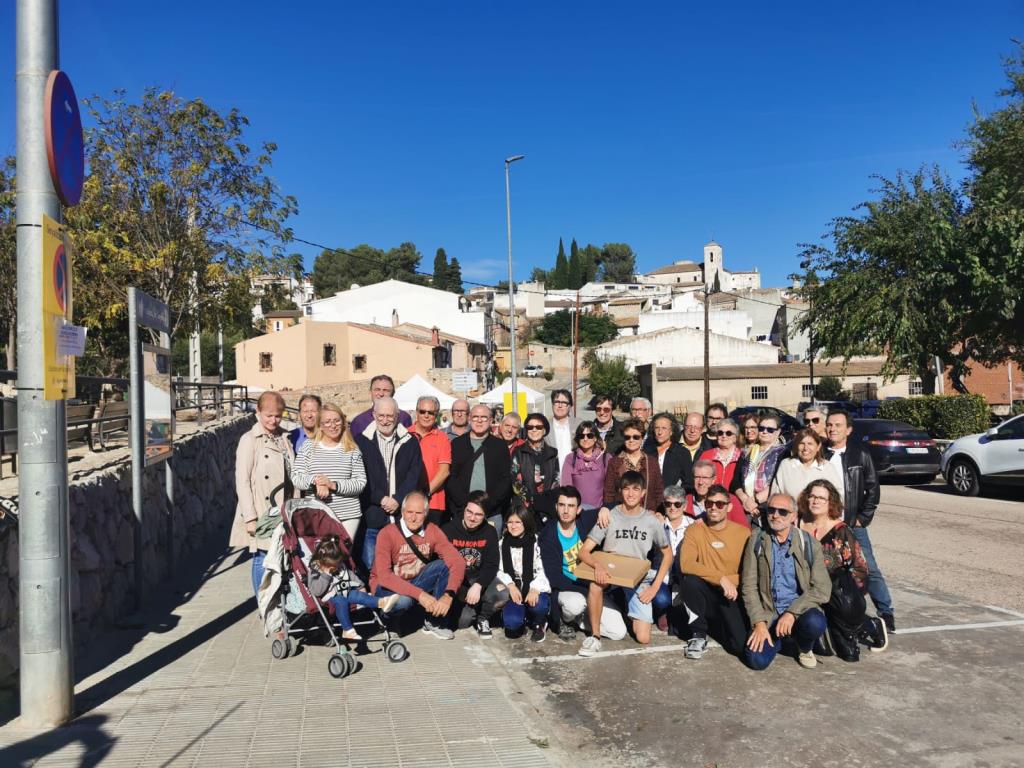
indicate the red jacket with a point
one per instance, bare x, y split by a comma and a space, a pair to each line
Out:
723, 473
395, 565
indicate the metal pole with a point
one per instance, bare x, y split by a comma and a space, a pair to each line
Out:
137, 434
46, 651
575, 351
707, 349
165, 342
511, 296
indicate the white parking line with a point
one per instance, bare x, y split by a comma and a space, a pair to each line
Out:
997, 609
956, 627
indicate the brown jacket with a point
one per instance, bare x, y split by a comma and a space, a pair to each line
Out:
262, 462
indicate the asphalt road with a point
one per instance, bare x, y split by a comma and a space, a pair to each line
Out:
945, 694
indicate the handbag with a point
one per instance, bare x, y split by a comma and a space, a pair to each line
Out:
847, 603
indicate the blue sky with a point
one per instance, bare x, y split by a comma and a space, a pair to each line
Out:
657, 124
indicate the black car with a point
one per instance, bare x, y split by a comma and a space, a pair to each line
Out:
790, 426
898, 449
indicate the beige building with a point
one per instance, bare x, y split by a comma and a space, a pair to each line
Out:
784, 385
317, 353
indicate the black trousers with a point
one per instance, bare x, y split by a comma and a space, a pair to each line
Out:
717, 616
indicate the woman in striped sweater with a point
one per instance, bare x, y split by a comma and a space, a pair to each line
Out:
331, 464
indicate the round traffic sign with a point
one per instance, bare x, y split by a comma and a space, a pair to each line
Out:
65, 149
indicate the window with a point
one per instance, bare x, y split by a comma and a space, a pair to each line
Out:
806, 390
916, 388
329, 354
759, 393
266, 361
358, 363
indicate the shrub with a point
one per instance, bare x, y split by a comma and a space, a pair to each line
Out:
548, 375
942, 416
614, 377
830, 388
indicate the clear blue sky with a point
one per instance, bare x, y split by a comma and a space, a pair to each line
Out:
656, 124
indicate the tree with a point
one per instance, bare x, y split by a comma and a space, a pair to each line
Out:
618, 263
539, 275
574, 271
455, 276
612, 376
556, 329
276, 296
8, 261
177, 204
440, 278
590, 258
716, 286
559, 276
830, 388
340, 269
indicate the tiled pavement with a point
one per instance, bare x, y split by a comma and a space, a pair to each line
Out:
206, 692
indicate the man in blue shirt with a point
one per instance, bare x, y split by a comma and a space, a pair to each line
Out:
309, 419
784, 584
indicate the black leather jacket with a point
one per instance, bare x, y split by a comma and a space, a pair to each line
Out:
861, 485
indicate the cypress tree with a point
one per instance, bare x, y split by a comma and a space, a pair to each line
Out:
441, 275
575, 270
560, 274
455, 276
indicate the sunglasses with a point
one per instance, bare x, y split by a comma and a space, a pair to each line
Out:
425, 412
769, 430
534, 427
718, 504
814, 420
585, 436
633, 437
777, 511
675, 504
725, 433
562, 402
603, 409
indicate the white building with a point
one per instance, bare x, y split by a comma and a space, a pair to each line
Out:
393, 302
685, 347
726, 322
300, 291
682, 274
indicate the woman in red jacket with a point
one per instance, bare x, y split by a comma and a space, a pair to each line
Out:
727, 455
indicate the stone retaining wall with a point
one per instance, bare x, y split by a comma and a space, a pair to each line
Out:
101, 521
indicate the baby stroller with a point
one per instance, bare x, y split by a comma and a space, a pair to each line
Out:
304, 522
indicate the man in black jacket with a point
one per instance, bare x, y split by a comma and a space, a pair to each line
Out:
560, 542
480, 593
394, 468
480, 462
860, 499
607, 427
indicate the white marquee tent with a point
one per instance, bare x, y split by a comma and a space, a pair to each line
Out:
417, 387
534, 399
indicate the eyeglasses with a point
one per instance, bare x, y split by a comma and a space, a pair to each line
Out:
780, 512
813, 420
675, 504
769, 430
725, 433
632, 437
815, 497
603, 409
585, 436
718, 504
705, 478
534, 427
425, 412
562, 402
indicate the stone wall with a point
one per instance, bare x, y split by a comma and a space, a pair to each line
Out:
102, 544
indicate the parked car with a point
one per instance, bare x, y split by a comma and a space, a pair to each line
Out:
790, 425
995, 457
898, 449
533, 371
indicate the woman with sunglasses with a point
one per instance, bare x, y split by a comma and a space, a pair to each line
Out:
821, 513
757, 467
586, 467
535, 467
726, 456
808, 463
331, 465
633, 458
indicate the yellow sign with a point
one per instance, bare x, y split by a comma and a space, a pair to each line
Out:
59, 370
521, 409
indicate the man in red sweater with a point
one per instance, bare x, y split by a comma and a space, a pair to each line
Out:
414, 559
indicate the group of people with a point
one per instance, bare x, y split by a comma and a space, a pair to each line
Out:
758, 543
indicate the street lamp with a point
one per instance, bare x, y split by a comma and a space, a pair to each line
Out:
511, 298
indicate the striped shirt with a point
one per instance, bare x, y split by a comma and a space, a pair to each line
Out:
343, 467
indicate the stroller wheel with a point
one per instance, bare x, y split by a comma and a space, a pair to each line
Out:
281, 649
338, 666
396, 651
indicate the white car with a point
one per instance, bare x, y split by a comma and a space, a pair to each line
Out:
533, 371
995, 457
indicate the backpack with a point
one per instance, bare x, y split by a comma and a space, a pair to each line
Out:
805, 545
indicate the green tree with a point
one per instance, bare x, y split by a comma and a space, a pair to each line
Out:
612, 376
276, 296
559, 277
455, 276
556, 329
539, 275
716, 286
171, 186
340, 269
590, 258
440, 278
830, 388
574, 271
8, 261
618, 263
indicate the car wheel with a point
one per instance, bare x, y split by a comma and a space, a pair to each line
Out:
963, 478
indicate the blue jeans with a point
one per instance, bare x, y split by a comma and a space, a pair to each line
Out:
513, 617
808, 627
663, 600
341, 605
433, 579
369, 546
257, 570
877, 587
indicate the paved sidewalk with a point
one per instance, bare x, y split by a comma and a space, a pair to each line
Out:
205, 691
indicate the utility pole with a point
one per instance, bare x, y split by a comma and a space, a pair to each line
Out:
45, 652
707, 348
575, 351
511, 285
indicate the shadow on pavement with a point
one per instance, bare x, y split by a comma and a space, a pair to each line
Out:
1000, 492
86, 730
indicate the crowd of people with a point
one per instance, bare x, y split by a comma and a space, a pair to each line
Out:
758, 543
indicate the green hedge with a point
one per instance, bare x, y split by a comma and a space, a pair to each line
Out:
941, 416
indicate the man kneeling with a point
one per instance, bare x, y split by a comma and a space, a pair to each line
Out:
632, 532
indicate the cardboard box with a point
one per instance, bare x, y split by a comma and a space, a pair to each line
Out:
623, 571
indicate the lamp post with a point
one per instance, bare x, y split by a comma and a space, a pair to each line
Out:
511, 298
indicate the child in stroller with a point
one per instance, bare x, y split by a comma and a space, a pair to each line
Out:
331, 581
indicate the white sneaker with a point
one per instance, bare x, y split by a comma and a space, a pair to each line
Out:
807, 660
387, 604
442, 633
591, 645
